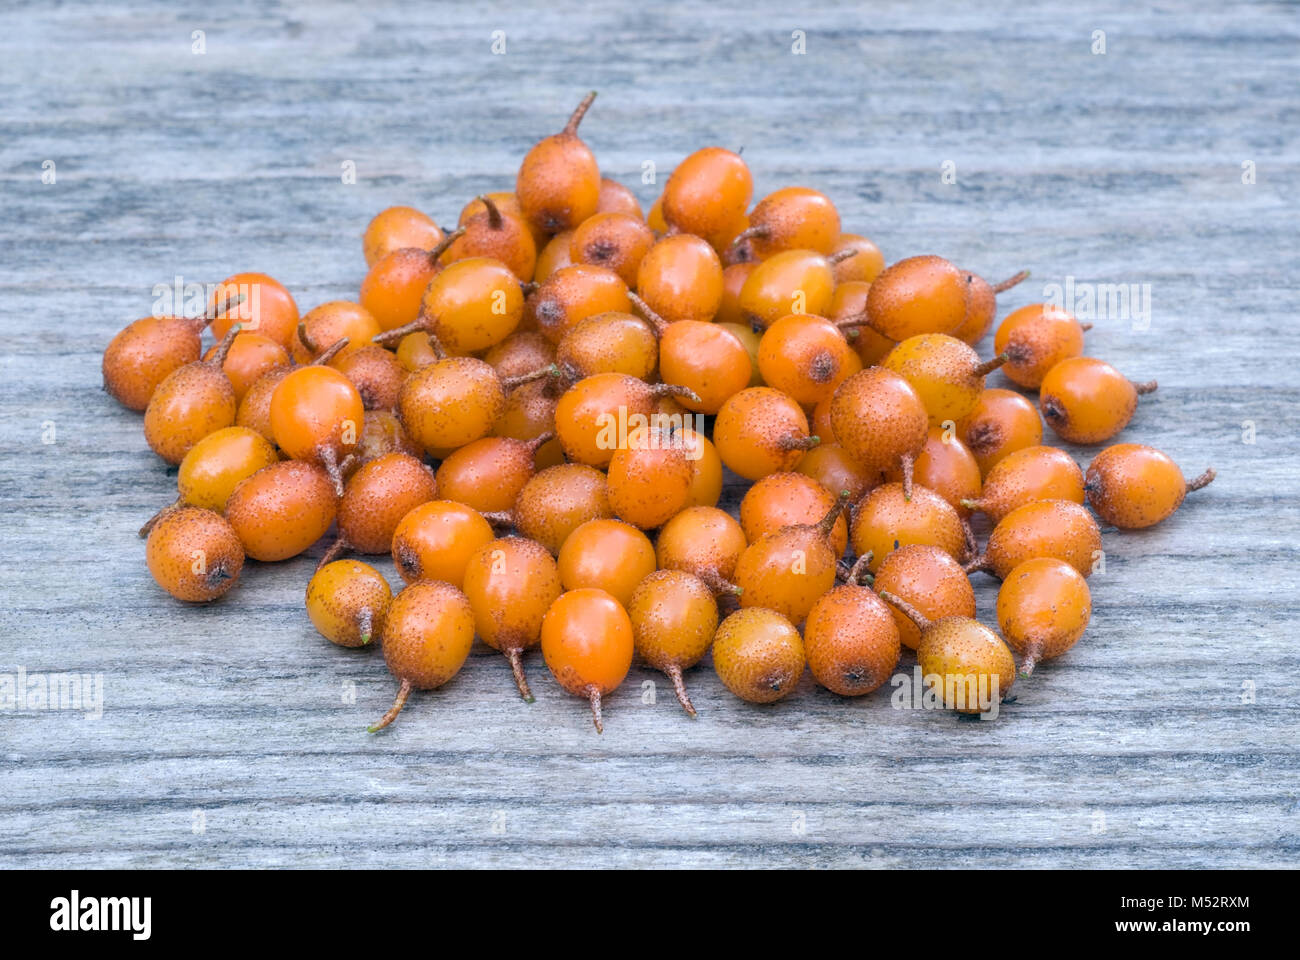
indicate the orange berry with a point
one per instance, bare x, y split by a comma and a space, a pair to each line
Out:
347, 602
785, 499
792, 218
572, 294
377, 498
1001, 422
929, 579
323, 326
558, 185
1133, 486
851, 641
680, 277
558, 500
946, 373
649, 479
886, 520
807, 357
760, 431
1086, 400
917, 295
1037, 338
787, 571
267, 308
218, 463
674, 617
395, 228
758, 655
194, 554
703, 541
499, 234
317, 414
794, 281
880, 419
1043, 528
1043, 608
435, 540
282, 509
707, 192
1034, 473
946, 466
608, 554
587, 643
616, 241
616, 198
192, 402
865, 263
830, 465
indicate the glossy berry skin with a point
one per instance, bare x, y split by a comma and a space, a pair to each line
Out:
450, 403
848, 304
1086, 400
558, 500
616, 198
394, 288
674, 618
251, 356
760, 431
267, 310
144, 353
498, 234
347, 602
885, 520
398, 227
708, 193
282, 509
587, 642
944, 371
1043, 608
329, 323
830, 465
194, 554
879, 418
192, 402
1034, 473
511, 583
707, 359
794, 281
1133, 486
427, 638
680, 277
553, 256
612, 342
435, 540
918, 295
806, 357
703, 541
522, 352
1002, 422
315, 408
376, 373
706, 468
930, 580
851, 641
382, 434
785, 499
598, 415
863, 266
981, 310
558, 185
254, 410
488, 474
789, 570
793, 218
218, 463
378, 496
508, 205
733, 281
758, 655
572, 294
616, 241
957, 648
1043, 336
607, 554
946, 466
649, 479
474, 304
1044, 528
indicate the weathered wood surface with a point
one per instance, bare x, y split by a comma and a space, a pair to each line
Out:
1135, 750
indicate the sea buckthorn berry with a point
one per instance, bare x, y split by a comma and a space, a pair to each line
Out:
864, 262
785, 499
255, 409
434, 541
616, 198
376, 373
982, 306
558, 500
258, 303
1043, 528
382, 434
489, 473
587, 643
451, 402
347, 602
704, 358
794, 281
848, 304
251, 355
1043, 609
508, 204
470, 305
830, 465
792, 218
708, 192
194, 554
680, 277
282, 509
553, 256
733, 281
806, 357
572, 294
498, 234
655, 217
375, 501
758, 655
1133, 486
511, 583
558, 185
649, 478
317, 414
789, 570
323, 326
612, 342
1001, 423
674, 618
215, 466
946, 373
1037, 338
394, 288
750, 339
917, 295
973, 667
760, 431
192, 402
1086, 400
851, 640
617, 241
706, 468
946, 466
703, 541
522, 352
395, 228
608, 554
143, 353
427, 638
880, 419
1034, 473
929, 579
530, 413
597, 415
886, 520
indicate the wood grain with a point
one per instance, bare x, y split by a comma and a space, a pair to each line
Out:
233, 736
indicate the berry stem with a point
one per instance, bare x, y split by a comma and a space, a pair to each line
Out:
972, 548
329, 459
1033, 651
528, 287
365, 624
403, 692
571, 128
679, 687
859, 569
758, 230
495, 220
396, 334
794, 442
550, 370
718, 583
853, 320
306, 339
218, 359
657, 323
827, 523
1010, 282
498, 518
538, 442
336, 550
977, 564
1085, 327
334, 350
218, 310
1144, 388
515, 657
153, 521
908, 463
445, 243
988, 366
839, 256
674, 390
916, 616
593, 693
1204, 480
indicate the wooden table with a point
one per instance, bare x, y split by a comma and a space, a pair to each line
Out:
232, 735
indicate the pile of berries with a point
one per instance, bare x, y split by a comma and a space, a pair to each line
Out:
581, 374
